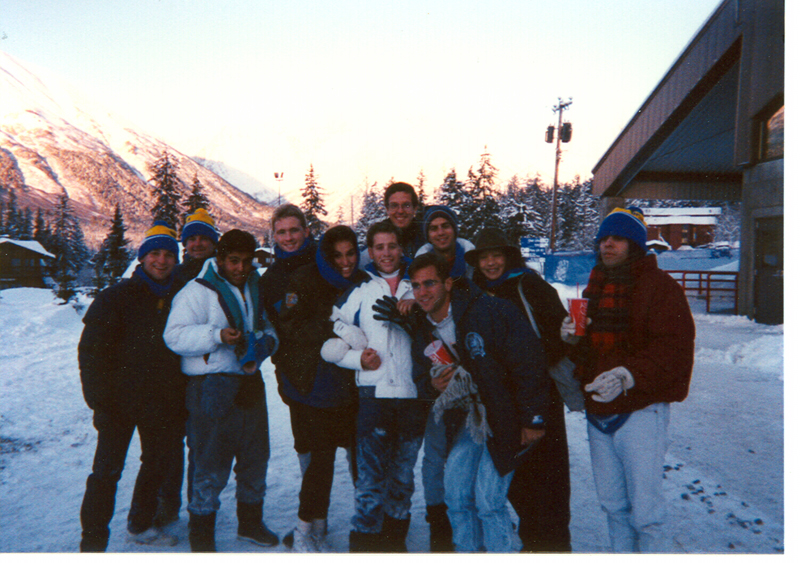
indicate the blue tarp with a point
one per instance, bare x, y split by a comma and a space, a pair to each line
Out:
569, 268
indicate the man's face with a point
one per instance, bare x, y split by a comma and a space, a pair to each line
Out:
492, 263
431, 293
236, 267
289, 234
614, 250
386, 252
401, 209
199, 247
442, 235
159, 263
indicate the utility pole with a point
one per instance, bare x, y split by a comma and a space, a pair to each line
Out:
279, 178
562, 133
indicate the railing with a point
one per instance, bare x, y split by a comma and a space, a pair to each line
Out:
708, 284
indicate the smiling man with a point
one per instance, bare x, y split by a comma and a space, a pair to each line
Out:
222, 337
440, 226
199, 237
132, 381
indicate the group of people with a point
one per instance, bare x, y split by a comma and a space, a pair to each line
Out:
421, 341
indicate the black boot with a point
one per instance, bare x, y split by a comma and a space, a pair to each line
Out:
441, 531
361, 542
394, 534
251, 525
201, 532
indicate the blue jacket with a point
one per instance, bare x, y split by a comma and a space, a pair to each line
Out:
498, 347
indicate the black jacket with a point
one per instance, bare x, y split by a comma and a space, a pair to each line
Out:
273, 283
498, 347
124, 363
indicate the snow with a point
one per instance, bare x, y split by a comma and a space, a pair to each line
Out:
29, 244
723, 474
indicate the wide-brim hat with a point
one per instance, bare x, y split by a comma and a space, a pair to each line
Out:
491, 238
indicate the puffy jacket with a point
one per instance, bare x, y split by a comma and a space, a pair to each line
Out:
497, 346
194, 325
274, 281
393, 378
124, 364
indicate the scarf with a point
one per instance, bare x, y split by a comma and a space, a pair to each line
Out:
462, 394
609, 293
508, 274
158, 289
330, 274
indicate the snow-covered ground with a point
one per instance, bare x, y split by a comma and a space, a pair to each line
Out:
723, 475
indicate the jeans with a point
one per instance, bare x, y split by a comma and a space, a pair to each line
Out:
628, 468
114, 432
388, 438
434, 458
475, 494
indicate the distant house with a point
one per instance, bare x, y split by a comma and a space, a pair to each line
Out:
682, 226
22, 263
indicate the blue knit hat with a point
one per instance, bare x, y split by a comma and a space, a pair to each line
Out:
199, 223
628, 223
435, 211
159, 236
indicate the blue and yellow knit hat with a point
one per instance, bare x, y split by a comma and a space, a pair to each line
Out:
628, 223
159, 236
199, 223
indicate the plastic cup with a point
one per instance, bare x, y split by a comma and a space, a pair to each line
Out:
577, 310
438, 353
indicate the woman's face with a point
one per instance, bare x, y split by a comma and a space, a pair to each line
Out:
345, 257
492, 263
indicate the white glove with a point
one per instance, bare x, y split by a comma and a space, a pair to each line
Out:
609, 384
568, 331
351, 334
334, 350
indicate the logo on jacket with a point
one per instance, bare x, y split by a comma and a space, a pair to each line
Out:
474, 344
291, 300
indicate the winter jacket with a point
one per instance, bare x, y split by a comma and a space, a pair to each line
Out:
660, 353
124, 363
497, 346
198, 316
274, 281
304, 325
393, 378
546, 306
460, 267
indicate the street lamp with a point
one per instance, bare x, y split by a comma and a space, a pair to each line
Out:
562, 133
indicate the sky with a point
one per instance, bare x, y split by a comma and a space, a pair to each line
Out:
365, 90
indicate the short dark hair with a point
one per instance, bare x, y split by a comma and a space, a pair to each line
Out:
336, 234
430, 259
400, 187
288, 210
384, 226
236, 241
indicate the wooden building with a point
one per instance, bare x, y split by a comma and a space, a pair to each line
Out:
712, 129
682, 226
22, 263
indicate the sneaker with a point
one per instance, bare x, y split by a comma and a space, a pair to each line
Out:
258, 534
319, 531
304, 541
153, 536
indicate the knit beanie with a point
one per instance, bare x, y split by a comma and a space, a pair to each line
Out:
628, 223
435, 211
199, 223
159, 236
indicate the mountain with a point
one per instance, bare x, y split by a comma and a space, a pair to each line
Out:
54, 140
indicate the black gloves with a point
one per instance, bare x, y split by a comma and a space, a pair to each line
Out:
386, 310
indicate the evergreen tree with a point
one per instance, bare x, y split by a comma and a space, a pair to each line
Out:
453, 193
421, 195
2, 217
729, 225
197, 198
41, 231
26, 224
482, 210
12, 216
372, 211
112, 259
166, 189
312, 204
69, 248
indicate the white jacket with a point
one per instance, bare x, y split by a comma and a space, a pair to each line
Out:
194, 325
393, 378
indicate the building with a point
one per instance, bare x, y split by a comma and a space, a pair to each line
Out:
712, 129
22, 263
681, 226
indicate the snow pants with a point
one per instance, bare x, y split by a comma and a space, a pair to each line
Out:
220, 433
389, 435
158, 438
628, 468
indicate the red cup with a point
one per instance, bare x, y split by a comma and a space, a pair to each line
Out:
438, 353
577, 310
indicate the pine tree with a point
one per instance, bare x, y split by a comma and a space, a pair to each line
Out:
420, 188
197, 198
166, 189
312, 204
482, 210
12, 216
372, 211
453, 193
41, 231
69, 248
26, 224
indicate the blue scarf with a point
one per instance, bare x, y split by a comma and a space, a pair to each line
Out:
282, 254
459, 268
508, 274
330, 274
230, 304
158, 289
